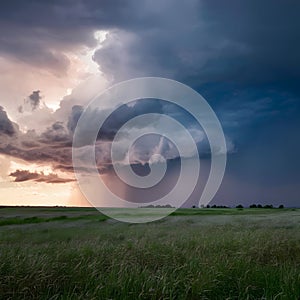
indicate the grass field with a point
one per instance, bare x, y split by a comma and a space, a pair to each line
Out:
78, 253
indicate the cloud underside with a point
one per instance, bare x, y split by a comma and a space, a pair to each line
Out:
25, 175
54, 145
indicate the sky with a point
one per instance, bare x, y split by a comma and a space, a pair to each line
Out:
243, 57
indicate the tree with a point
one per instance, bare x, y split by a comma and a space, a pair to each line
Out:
268, 206
281, 206
259, 206
253, 206
239, 206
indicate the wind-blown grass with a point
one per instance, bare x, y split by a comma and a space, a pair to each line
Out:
181, 257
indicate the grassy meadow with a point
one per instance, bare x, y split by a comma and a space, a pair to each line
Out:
78, 253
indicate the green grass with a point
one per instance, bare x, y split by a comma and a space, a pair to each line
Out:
193, 254
33, 220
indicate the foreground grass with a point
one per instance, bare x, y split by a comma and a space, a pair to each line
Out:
237, 256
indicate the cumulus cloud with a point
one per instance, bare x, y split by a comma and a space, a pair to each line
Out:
56, 134
150, 144
25, 175
53, 146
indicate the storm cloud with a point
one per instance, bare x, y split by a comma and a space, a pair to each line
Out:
221, 42
210, 41
6, 126
52, 147
25, 175
243, 57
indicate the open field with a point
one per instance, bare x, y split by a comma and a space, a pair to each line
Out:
78, 253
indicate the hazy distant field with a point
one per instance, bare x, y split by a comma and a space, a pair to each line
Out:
77, 253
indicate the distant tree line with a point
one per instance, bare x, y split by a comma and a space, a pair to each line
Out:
157, 206
217, 206
260, 206
240, 206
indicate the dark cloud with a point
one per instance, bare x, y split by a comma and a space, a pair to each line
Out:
56, 134
118, 116
124, 113
30, 144
243, 57
34, 99
6, 126
53, 146
31, 103
41, 33
25, 175
229, 42
192, 41
67, 14
77, 110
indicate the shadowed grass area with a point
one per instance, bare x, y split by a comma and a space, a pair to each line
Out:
33, 220
237, 256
